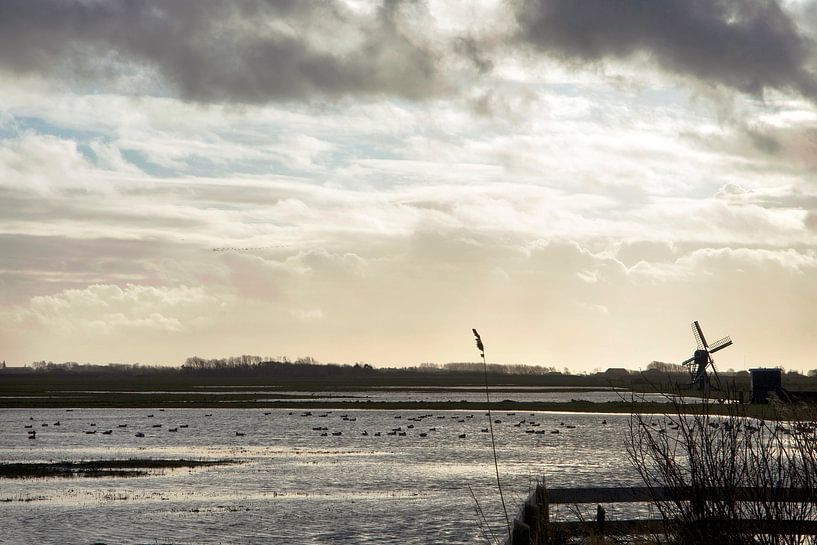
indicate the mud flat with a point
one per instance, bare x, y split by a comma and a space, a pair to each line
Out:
101, 468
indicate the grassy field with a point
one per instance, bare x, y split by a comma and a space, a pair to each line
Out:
177, 388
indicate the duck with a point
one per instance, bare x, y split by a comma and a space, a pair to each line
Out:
139, 434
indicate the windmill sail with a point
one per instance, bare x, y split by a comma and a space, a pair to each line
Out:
699, 335
719, 345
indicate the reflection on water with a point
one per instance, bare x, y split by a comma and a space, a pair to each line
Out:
297, 484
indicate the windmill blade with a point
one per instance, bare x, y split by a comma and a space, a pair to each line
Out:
715, 373
688, 361
714, 369
699, 335
719, 345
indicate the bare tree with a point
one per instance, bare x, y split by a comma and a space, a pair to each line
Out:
728, 470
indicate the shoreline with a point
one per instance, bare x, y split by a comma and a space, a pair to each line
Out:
611, 407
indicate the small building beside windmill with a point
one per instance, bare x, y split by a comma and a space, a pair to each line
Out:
765, 381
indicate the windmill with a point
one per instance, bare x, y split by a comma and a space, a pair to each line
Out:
702, 358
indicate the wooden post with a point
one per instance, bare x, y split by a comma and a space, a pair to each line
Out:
531, 518
542, 498
521, 533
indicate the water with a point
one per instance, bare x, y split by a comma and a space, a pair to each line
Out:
293, 485
519, 394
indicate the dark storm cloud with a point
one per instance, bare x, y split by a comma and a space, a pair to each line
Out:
249, 51
745, 44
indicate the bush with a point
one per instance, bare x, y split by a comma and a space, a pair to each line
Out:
724, 471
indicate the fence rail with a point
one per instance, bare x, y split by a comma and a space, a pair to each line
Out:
532, 525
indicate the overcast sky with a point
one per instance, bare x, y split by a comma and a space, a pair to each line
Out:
361, 181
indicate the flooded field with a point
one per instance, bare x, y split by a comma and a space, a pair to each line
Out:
302, 477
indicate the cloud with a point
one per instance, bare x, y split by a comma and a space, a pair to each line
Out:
246, 51
748, 45
731, 263
105, 309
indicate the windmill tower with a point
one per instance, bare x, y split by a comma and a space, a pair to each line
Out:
702, 359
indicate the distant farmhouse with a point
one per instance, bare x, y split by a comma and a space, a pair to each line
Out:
617, 373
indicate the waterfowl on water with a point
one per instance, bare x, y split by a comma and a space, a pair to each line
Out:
139, 434
462, 436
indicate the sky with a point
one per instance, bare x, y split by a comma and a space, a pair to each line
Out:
367, 181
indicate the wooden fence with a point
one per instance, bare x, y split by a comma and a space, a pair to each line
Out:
532, 524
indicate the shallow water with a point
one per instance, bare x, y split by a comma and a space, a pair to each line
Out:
521, 394
293, 485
